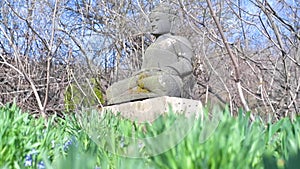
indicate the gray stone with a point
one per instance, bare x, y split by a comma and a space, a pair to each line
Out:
150, 109
166, 68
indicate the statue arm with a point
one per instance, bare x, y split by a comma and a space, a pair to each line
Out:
184, 65
181, 68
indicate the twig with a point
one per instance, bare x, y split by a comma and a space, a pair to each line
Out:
232, 57
31, 82
49, 57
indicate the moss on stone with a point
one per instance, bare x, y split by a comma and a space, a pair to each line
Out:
74, 97
141, 85
142, 90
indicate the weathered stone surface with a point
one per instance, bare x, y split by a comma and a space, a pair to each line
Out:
150, 109
166, 68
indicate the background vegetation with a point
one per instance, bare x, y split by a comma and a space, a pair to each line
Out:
246, 52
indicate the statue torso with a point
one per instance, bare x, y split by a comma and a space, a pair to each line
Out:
161, 53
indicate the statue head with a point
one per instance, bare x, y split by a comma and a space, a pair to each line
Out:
161, 19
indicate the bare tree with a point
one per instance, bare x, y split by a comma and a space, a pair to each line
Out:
264, 43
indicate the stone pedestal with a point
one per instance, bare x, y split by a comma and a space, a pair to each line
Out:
150, 109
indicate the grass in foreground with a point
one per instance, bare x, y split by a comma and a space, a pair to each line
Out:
28, 142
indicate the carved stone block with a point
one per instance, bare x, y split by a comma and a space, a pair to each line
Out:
150, 109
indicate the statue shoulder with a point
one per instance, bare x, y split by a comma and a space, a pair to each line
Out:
183, 40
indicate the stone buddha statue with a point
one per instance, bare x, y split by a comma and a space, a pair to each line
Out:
166, 68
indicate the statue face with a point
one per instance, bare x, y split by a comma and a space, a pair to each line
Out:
160, 23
